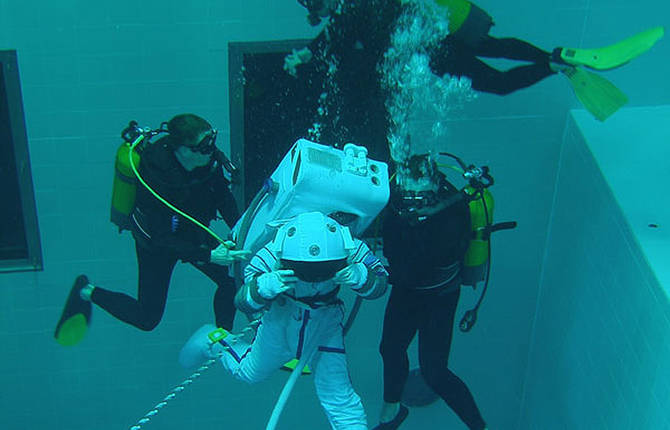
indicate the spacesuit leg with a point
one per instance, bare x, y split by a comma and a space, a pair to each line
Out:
342, 405
267, 352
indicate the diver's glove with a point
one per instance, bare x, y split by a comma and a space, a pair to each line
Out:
225, 255
353, 276
296, 58
271, 284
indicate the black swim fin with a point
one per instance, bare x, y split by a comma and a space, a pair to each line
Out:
416, 392
76, 317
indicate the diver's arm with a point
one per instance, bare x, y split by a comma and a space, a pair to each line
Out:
295, 59
150, 238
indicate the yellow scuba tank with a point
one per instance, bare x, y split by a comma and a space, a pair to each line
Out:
124, 188
476, 256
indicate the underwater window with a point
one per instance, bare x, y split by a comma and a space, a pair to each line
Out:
20, 247
269, 110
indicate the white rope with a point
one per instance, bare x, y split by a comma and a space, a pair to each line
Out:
188, 381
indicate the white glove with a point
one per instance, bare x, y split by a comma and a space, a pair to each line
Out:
353, 276
270, 285
296, 58
224, 255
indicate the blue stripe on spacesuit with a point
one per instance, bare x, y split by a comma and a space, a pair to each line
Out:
374, 264
257, 269
230, 350
355, 257
331, 349
301, 336
269, 268
270, 252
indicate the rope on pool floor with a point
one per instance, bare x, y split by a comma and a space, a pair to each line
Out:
188, 381
178, 389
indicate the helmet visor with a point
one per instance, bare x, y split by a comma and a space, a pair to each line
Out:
309, 271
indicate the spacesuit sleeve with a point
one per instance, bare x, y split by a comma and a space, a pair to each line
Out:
248, 299
375, 285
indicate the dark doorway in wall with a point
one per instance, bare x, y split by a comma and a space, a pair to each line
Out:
269, 110
19, 234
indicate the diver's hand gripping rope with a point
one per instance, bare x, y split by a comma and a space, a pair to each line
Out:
136, 142
195, 375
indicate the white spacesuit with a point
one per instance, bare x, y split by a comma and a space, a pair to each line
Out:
296, 278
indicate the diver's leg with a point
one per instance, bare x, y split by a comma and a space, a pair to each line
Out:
512, 49
434, 346
456, 59
342, 405
400, 324
224, 307
145, 312
490, 80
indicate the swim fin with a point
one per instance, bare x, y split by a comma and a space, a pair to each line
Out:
76, 316
598, 95
612, 56
416, 392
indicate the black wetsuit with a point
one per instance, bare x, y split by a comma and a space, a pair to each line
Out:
162, 237
356, 40
424, 264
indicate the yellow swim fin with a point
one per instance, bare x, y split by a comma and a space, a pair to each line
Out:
598, 95
612, 56
76, 316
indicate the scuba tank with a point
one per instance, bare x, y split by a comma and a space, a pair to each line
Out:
124, 187
476, 257
476, 262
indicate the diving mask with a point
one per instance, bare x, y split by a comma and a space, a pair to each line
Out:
207, 144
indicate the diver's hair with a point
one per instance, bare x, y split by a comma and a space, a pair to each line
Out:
312, 6
187, 127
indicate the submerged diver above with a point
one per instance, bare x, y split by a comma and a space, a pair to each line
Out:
185, 168
295, 279
357, 36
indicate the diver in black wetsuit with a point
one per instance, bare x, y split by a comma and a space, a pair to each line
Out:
184, 168
355, 40
425, 246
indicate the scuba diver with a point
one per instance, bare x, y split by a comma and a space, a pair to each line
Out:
184, 167
295, 279
357, 36
430, 217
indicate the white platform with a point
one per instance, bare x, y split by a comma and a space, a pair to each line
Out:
632, 149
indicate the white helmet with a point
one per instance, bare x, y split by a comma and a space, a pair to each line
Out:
313, 237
